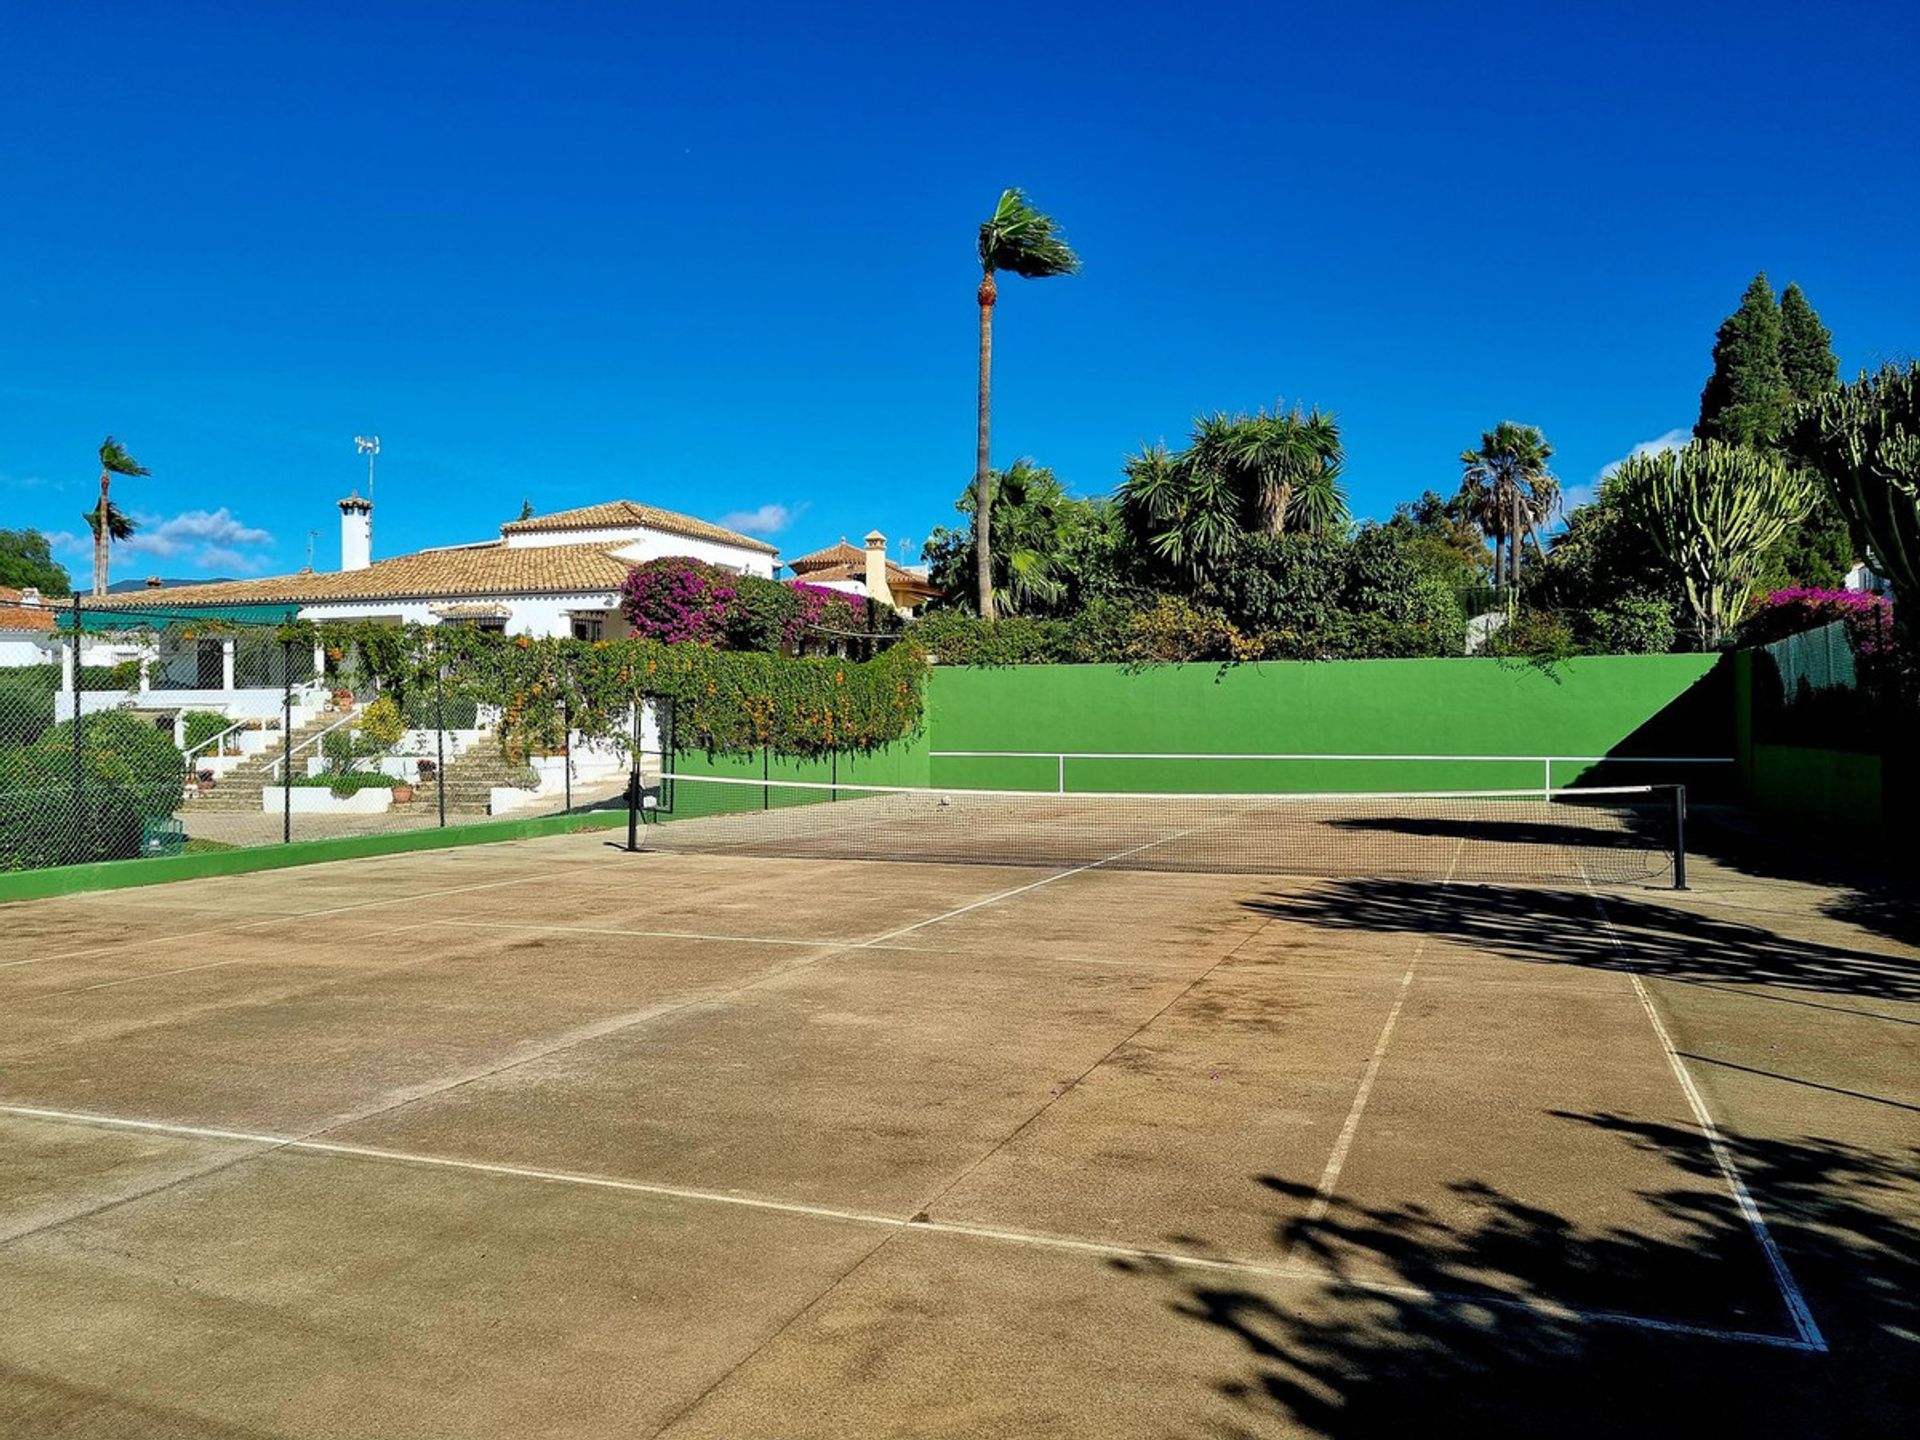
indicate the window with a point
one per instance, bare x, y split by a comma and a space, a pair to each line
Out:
589, 627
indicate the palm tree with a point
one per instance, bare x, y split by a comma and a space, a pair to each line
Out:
114, 460
1021, 239
1286, 458
1506, 486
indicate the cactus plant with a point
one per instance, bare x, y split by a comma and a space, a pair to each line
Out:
1712, 510
1865, 441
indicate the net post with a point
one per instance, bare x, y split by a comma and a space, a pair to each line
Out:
766, 774
79, 753
440, 734
1063, 776
566, 747
286, 750
633, 782
1680, 837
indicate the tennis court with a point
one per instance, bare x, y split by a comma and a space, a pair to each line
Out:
757, 1133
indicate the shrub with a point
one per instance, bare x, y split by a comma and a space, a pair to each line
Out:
1869, 618
337, 748
678, 600
197, 727
130, 773
1541, 635
347, 784
1633, 625
381, 724
953, 637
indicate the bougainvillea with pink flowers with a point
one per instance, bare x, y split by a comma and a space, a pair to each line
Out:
679, 600
1869, 618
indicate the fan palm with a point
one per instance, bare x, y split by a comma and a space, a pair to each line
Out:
1020, 239
114, 460
1506, 487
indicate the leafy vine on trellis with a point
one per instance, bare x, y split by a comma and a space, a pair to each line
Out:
725, 701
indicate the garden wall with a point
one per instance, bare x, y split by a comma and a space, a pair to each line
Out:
1676, 706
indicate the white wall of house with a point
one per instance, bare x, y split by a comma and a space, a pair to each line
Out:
27, 647
540, 616
644, 544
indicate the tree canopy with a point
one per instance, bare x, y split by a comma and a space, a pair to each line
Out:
1746, 400
26, 562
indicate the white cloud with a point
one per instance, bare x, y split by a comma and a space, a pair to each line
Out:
1659, 445
769, 519
204, 539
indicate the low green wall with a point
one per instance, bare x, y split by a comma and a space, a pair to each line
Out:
161, 870
1615, 706
1826, 789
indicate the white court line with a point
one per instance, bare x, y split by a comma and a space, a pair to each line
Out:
1290, 1271
191, 969
1791, 1295
1337, 1158
1019, 890
286, 917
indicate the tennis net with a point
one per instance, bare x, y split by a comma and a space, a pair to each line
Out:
1606, 835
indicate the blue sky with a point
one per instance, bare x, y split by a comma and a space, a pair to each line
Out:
720, 258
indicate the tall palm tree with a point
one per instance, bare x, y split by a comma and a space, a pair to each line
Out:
114, 460
1506, 486
1021, 239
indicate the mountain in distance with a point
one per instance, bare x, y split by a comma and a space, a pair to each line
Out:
127, 587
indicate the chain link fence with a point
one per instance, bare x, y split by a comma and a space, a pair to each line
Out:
1835, 687
148, 733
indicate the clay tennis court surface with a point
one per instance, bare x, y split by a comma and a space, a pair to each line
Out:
544, 1139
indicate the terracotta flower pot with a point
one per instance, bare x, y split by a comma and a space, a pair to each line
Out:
402, 794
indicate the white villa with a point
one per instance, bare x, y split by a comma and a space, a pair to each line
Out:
867, 573
549, 575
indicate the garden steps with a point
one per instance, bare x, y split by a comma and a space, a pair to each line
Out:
240, 789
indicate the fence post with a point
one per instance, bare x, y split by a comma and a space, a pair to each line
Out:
566, 746
766, 772
440, 735
79, 752
1680, 837
633, 778
286, 752
1546, 780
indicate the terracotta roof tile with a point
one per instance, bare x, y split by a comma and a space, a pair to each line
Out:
841, 554
489, 569
17, 616
625, 514
904, 583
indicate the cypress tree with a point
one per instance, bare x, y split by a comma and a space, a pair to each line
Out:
1746, 400
1806, 348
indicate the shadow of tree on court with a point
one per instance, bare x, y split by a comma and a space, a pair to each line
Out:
1551, 927
1408, 1342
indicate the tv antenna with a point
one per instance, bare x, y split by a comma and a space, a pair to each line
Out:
369, 446
313, 535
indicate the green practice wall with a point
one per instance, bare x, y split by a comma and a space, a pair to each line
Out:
904, 763
1617, 706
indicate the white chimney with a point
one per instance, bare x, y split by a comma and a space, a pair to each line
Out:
356, 532
877, 587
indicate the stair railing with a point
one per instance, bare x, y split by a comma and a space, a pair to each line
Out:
280, 760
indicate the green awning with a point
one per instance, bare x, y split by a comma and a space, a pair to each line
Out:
162, 617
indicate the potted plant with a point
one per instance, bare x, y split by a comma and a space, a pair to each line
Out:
207, 779
343, 699
402, 793
427, 771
